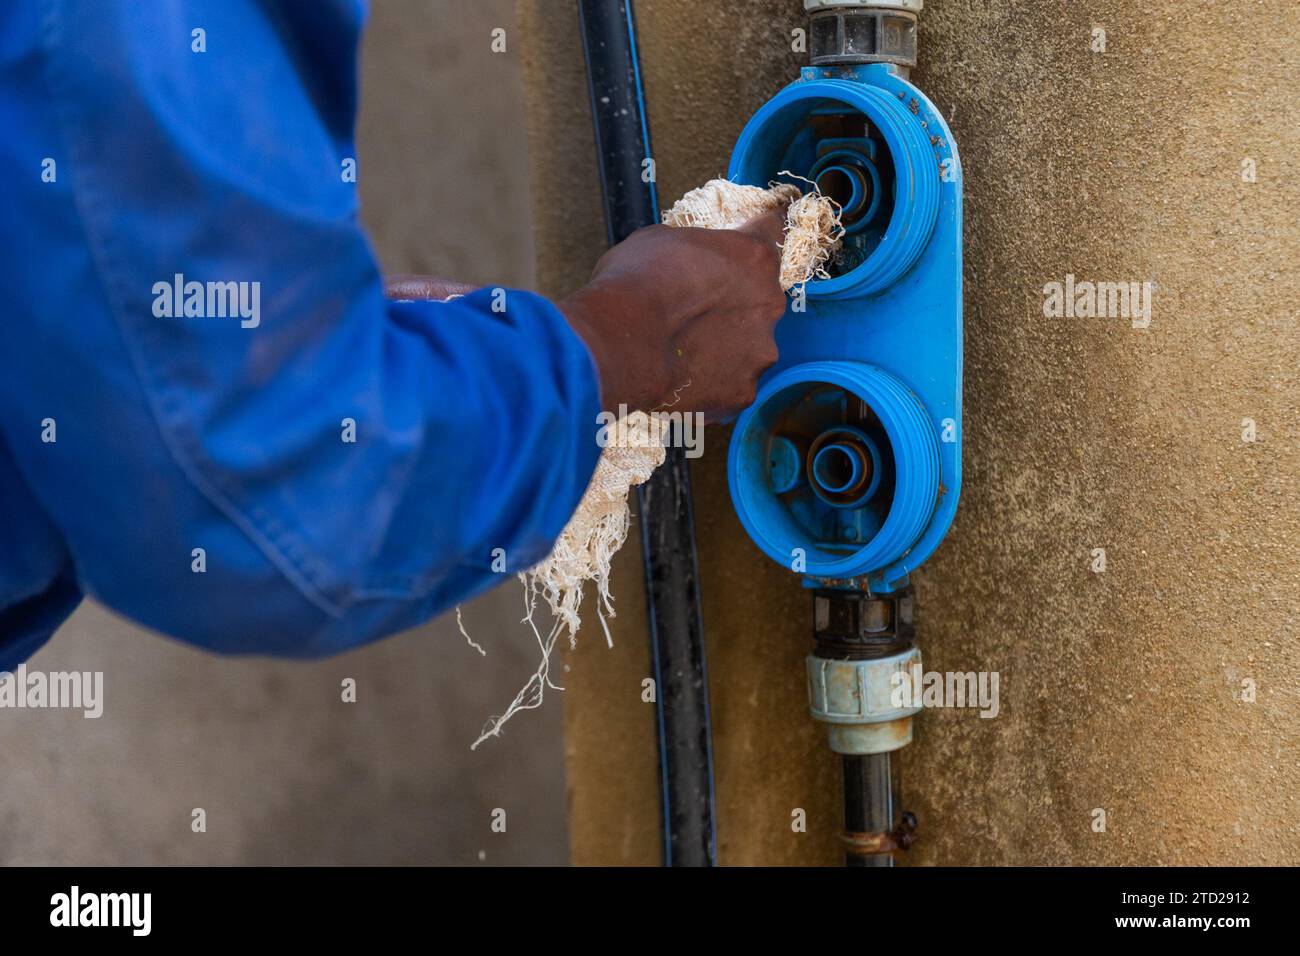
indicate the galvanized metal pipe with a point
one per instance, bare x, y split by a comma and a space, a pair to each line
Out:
863, 642
870, 800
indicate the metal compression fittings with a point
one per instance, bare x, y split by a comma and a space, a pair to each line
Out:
853, 32
862, 674
909, 6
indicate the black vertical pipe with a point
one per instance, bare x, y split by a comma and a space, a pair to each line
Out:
869, 802
667, 524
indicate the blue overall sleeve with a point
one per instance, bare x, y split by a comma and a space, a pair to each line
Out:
252, 449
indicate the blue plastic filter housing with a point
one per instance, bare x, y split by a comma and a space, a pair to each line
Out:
847, 467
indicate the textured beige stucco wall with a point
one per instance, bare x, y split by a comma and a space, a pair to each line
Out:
1120, 690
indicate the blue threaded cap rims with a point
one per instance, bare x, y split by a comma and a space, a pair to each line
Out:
764, 150
912, 448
